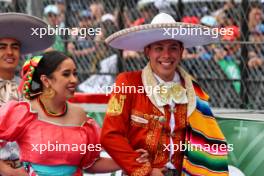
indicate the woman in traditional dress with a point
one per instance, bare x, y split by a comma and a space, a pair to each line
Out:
55, 137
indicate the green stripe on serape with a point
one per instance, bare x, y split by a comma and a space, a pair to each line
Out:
213, 162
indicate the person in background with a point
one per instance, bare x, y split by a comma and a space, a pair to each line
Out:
83, 44
13, 43
62, 9
52, 16
97, 10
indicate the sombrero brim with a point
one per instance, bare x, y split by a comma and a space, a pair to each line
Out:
136, 38
20, 26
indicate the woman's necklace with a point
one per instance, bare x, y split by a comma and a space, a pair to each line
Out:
52, 114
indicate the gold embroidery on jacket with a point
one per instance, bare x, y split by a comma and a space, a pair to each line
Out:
144, 170
161, 155
115, 105
151, 138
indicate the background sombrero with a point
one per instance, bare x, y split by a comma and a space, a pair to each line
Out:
19, 26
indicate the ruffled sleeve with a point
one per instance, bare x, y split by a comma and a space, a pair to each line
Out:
14, 117
93, 135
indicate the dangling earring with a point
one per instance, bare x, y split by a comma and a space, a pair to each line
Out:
49, 93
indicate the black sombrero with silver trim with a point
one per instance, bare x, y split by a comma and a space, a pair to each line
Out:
19, 26
162, 27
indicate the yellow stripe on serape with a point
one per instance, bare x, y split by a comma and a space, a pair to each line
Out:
207, 126
200, 170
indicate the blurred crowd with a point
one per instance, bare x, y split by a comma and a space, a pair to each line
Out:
94, 15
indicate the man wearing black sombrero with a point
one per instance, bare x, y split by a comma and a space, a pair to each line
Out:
17, 37
170, 117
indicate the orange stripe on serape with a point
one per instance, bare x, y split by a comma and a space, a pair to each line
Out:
199, 92
200, 170
207, 126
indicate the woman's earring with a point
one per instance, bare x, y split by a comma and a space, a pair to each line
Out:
49, 93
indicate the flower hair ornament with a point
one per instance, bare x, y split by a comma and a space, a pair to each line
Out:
27, 72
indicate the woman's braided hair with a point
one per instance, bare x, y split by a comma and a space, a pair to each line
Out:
28, 70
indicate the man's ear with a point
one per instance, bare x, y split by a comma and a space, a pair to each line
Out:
146, 51
182, 49
45, 81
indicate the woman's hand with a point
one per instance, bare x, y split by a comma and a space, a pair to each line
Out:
143, 157
21, 172
14, 172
